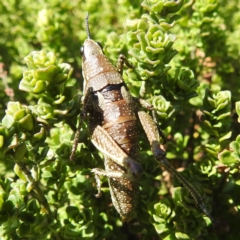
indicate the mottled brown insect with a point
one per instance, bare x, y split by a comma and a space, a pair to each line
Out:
112, 120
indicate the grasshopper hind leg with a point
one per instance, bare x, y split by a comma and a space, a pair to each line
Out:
152, 133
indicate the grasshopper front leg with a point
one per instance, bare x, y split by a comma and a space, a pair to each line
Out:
152, 133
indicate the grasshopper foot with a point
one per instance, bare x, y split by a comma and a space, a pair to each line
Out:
98, 182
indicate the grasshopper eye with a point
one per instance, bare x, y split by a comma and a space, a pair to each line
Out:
100, 45
82, 50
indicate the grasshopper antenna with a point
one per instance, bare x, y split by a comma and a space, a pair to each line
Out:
87, 27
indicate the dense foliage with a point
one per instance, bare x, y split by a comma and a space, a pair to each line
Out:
186, 59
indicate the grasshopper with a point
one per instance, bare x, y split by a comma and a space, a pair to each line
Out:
113, 115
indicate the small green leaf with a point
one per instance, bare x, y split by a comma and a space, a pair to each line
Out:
20, 151
1, 141
26, 123
19, 173
182, 236
237, 107
19, 114
2, 197
46, 74
226, 158
226, 136
39, 87
160, 228
8, 121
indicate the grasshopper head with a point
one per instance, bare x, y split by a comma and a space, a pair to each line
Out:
90, 48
